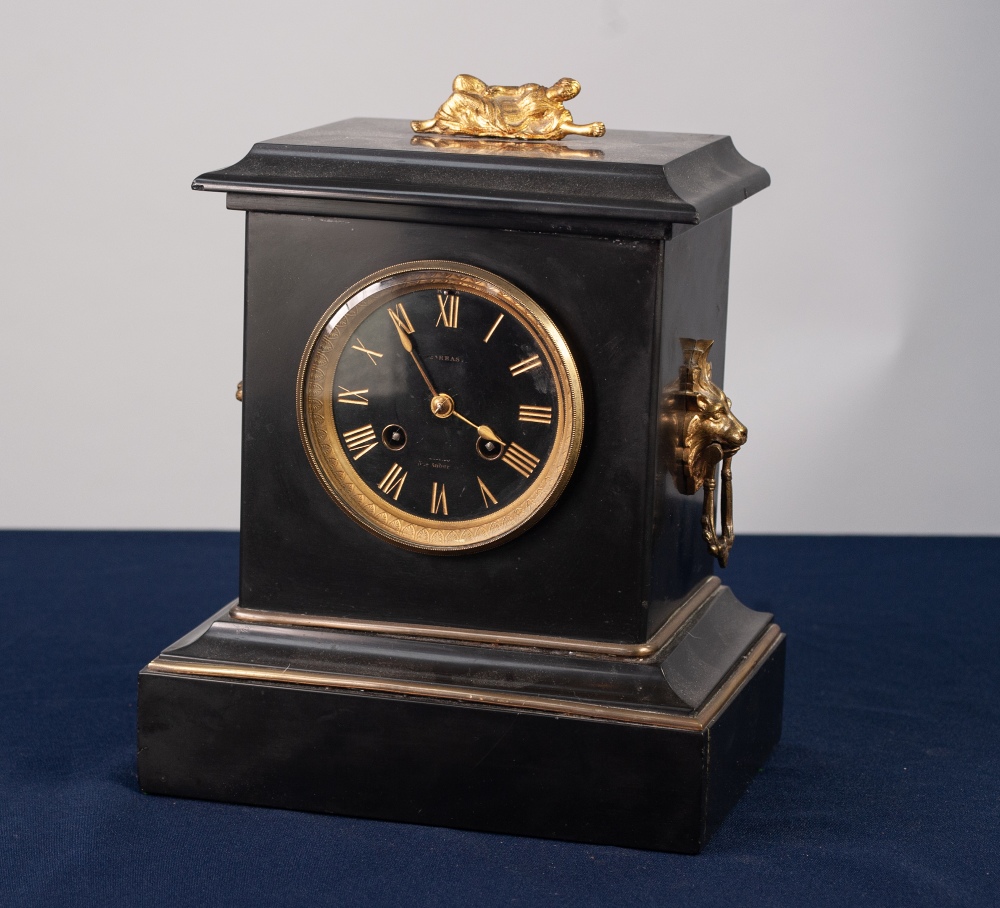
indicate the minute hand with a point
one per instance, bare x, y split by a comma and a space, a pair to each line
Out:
408, 347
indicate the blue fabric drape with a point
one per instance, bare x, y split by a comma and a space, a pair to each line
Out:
885, 789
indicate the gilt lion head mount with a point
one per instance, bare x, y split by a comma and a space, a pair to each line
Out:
700, 431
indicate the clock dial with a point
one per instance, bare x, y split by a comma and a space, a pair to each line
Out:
440, 406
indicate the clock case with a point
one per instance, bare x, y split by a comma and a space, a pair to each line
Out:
588, 680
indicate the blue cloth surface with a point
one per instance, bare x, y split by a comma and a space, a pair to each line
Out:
885, 789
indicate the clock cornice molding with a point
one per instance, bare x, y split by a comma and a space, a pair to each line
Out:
633, 176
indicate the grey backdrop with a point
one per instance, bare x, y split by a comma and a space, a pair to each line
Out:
863, 308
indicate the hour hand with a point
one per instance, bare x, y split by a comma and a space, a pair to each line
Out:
484, 431
487, 433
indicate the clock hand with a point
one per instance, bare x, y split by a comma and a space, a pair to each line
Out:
484, 431
408, 347
442, 405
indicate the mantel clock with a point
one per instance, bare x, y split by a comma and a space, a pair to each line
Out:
486, 480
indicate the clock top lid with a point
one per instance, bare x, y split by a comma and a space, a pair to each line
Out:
653, 177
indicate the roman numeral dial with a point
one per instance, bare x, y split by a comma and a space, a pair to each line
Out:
448, 304
526, 365
359, 345
439, 406
523, 461
361, 441
400, 319
392, 482
488, 499
541, 415
352, 397
439, 500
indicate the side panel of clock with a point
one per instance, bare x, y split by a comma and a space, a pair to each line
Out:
695, 304
583, 569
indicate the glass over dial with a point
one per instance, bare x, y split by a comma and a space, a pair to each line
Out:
440, 406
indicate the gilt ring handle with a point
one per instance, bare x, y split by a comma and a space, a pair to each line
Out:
718, 545
702, 432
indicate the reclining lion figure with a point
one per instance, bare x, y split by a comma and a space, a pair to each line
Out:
508, 112
700, 430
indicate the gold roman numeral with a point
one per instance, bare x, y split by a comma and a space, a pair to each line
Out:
392, 482
361, 440
523, 461
541, 415
448, 304
361, 348
496, 325
353, 397
526, 365
439, 502
400, 319
488, 498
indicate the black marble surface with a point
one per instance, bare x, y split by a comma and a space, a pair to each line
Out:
664, 178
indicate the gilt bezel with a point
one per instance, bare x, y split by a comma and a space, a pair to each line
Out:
322, 440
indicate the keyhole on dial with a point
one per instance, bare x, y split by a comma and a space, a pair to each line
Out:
489, 450
394, 437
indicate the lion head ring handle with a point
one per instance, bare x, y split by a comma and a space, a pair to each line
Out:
701, 432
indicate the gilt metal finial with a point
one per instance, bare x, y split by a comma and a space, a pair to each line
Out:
527, 111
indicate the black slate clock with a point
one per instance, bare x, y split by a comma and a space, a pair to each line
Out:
475, 588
